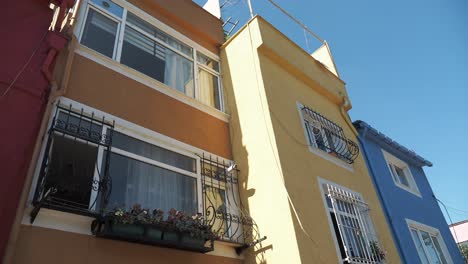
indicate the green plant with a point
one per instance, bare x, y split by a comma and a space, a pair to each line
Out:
194, 225
464, 251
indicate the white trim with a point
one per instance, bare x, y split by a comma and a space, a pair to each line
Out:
318, 151
150, 82
432, 232
321, 182
391, 159
152, 161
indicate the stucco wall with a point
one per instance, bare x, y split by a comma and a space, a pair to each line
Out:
403, 205
42, 245
270, 147
109, 91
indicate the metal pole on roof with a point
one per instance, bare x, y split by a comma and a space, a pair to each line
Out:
297, 21
250, 9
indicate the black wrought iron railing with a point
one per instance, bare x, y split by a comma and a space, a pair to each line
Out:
69, 177
75, 177
328, 136
223, 208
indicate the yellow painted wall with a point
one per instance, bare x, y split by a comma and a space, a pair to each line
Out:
265, 75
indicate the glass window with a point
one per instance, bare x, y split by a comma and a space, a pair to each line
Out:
207, 62
419, 247
154, 32
149, 57
430, 248
150, 186
109, 6
401, 176
208, 85
153, 152
99, 33
439, 249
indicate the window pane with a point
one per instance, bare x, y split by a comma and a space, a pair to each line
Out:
419, 247
215, 203
439, 249
150, 186
153, 152
430, 249
153, 31
401, 176
99, 33
110, 7
71, 171
209, 89
147, 56
205, 61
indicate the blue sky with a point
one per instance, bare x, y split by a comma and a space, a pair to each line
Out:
406, 68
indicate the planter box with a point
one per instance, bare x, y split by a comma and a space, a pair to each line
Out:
127, 230
150, 235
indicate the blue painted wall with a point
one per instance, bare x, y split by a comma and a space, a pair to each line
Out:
400, 204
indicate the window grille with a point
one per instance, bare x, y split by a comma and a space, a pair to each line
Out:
328, 136
222, 206
353, 227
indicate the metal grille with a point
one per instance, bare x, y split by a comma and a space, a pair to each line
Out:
221, 204
328, 136
64, 183
355, 230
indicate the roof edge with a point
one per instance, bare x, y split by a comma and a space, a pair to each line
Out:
359, 124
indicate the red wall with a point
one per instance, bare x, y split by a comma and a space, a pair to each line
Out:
23, 24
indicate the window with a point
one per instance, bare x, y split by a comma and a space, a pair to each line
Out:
208, 81
149, 50
151, 176
401, 173
327, 137
429, 244
351, 225
221, 201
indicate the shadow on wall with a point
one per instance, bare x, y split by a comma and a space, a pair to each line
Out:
256, 253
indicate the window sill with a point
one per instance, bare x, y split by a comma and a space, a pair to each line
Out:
79, 224
406, 188
148, 81
332, 159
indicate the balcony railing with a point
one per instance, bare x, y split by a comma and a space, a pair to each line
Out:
75, 177
328, 136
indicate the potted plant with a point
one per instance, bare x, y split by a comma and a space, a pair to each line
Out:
139, 224
377, 252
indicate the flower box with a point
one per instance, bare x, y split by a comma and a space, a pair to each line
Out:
187, 232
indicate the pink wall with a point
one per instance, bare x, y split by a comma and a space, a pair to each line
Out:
461, 230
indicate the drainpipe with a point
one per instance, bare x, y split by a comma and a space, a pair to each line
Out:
362, 141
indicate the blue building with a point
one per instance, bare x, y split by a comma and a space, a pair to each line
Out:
417, 223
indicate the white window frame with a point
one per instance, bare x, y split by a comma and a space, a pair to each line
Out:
314, 148
365, 220
392, 161
433, 232
137, 132
122, 23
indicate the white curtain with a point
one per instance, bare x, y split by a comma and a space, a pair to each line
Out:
178, 73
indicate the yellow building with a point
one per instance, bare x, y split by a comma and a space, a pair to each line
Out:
306, 184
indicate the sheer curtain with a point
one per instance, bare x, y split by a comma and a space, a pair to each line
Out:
208, 87
136, 182
179, 73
